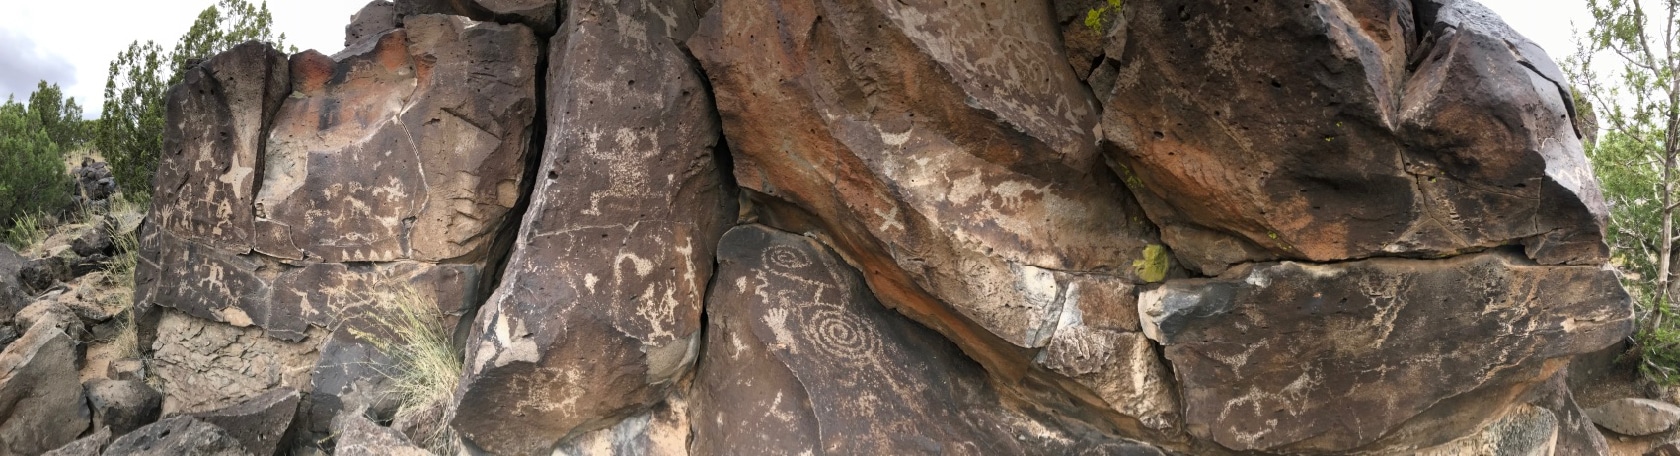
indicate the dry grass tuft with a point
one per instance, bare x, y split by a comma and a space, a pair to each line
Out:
425, 366
28, 231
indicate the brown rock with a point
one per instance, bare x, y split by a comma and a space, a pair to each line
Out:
664, 430
374, 19
1527, 430
178, 436
1327, 358
805, 359
39, 408
260, 423
214, 146
948, 149
122, 406
616, 249
403, 154
1635, 416
1328, 133
91, 445
359, 436
203, 365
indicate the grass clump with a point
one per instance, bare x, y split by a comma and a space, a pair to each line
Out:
27, 230
425, 367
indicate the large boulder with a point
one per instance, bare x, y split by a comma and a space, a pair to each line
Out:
261, 423
615, 251
1330, 358
809, 361
1345, 129
178, 436
950, 152
41, 404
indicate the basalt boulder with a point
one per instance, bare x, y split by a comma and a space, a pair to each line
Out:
950, 151
807, 361
1346, 129
615, 252
1296, 357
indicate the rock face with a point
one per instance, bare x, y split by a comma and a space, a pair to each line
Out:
1345, 130
1296, 357
875, 227
300, 189
835, 372
615, 251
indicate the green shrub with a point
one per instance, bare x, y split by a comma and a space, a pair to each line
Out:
32, 175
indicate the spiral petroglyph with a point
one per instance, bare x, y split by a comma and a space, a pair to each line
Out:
840, 334
786, 258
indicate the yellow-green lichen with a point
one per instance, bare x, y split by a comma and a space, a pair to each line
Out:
1153, 266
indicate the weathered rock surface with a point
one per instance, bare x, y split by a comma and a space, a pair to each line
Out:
41, 403
1327, 358
392, 164
359, 436
374, 19
951, 152
203, 365
1525, 431
91, 445
260, 423
1352, 227
808, 361
1635, 416
1344, 130
615, 251
664, 430
121, 406
178, 436
404, 155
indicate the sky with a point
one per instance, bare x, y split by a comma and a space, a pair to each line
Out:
72, 42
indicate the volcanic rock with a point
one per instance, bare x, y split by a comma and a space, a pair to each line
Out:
123, 405
615, 252
1298, 357
1635, 417
41, 404
810, 362
260, 423
1435, 136
178, 436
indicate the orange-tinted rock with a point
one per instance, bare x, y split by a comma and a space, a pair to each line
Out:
948, 149
1343, 130
615, 251
394, 149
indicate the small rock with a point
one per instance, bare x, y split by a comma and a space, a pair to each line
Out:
51, 312
1665, 450
40, 274
123, 405
1635, 417
259, 423
92, 240
359, 436
126, 369
86, 446
82, 266
178, 436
